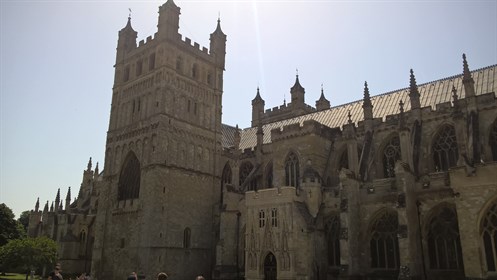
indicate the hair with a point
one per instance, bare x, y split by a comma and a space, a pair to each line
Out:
162, 276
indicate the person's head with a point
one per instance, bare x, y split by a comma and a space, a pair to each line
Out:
132, 276
162, 276
200, 277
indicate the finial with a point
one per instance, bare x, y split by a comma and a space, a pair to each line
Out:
89, 165
401, 106
68, 196
322, 92
37, 205
57, 197
366, 90
466, 73
412, 82
454, 94
219, 16
297, 71
96, 169
350, 117
129, 15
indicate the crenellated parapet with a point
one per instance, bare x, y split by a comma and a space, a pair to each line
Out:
309, 127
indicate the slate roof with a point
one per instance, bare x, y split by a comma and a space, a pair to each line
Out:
385, 104
228, 132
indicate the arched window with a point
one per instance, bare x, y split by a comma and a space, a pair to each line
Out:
333, 240
384, 244
292, 172
445, 152
269, 175
245, 170
187, 235
344, 160
489, 238
225, 180
444, 245
391, 153
493, 140
82, 242
129, 179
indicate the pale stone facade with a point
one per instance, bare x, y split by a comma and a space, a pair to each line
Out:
396, 186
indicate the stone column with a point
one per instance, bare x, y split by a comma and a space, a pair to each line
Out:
349, 226
408, 231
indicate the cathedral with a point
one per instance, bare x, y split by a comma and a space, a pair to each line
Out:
400, 185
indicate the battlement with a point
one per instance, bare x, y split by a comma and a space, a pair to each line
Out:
195, 47
307, 128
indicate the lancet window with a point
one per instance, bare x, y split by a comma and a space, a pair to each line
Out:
489, 238
333, 241
292, 172
129, 179
245, 170
391, 153
493, 140
384, 244
445, 152
444, 245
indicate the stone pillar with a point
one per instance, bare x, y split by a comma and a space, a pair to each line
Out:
409, 231
349, 226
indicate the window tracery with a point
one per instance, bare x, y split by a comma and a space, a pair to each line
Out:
391, 153
384, 245
292, 172
444, 245
333, 241
245, 170
129, 179
445, 152
489, 238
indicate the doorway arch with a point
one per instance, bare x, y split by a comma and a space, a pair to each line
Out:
270, 267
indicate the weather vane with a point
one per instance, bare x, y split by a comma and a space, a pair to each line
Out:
129, 12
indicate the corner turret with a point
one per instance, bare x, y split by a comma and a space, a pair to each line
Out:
322, 103
218, 45
257, 108
168, 25
298, 94
126, 41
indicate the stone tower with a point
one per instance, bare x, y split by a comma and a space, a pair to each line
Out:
156, 206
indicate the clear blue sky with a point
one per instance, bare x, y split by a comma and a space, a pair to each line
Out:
57, 58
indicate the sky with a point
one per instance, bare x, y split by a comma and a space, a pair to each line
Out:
56, 66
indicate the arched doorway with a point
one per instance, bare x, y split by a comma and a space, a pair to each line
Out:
270, 267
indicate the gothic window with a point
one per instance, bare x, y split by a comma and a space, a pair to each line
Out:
245, 170
194, 71
269, 175
151, 62
129, 179
82, 242
344, 160
139, 65
126, 74
391, 153
444, 245
187, 234
384, 244
292, 177
274, 217
262, 218
179, 64
333, 241
445, 152
493, 140
489, 238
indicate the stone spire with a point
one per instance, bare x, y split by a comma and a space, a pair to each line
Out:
366, 104
57, 199
322, 103
51, 207
88, 168
95, 175
467, 79
68, 199
257, 108
414, 92
45, 209
37, 205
